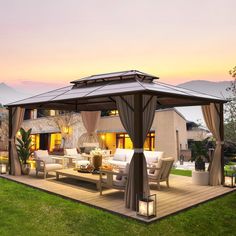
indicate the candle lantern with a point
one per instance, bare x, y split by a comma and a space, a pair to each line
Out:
229, 179
146, 205
3, 168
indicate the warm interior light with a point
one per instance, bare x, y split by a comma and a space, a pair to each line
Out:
3, 168
103, 137
229, 181
146, 208
66, 130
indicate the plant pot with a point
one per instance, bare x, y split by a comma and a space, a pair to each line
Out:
200, 166
97, 161
25, 169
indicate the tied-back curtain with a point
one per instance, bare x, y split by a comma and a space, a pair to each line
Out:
211, 114
125, 106
16, 122
90, 120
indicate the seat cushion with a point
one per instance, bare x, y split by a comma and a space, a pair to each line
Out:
152, 172
119, 157
51, 167
40, 153
153, 156
120, 164
71, 151
46, 159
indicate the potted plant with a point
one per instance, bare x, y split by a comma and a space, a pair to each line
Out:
199, 154
24, 150
97, 158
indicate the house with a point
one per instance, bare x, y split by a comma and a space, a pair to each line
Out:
49, 133
196, 132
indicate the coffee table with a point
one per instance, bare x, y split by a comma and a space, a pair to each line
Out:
89, 177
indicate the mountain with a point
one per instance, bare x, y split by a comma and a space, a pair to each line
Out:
212, 88
218, 89
8, 94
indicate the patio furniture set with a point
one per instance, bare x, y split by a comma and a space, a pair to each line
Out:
113, 173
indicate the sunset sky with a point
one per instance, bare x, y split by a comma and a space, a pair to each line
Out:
49, 43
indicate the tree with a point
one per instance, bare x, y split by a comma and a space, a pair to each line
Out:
65, 122
230, 110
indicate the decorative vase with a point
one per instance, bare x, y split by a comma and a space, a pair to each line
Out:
25, 169
97, 161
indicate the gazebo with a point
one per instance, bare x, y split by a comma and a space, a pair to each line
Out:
136, 96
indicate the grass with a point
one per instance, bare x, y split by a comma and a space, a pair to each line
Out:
181, 172
27, 211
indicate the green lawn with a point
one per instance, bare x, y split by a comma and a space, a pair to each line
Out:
181, 172
27, 211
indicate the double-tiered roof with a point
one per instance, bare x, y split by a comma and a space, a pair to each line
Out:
97, 92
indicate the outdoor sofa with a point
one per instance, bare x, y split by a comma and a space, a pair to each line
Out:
123, 156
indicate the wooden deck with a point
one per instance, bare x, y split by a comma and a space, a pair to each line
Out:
181, 195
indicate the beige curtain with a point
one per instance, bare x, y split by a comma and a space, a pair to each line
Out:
211, 114
125, 106
16, 122
90, 120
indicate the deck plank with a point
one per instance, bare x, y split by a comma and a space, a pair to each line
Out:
182, 194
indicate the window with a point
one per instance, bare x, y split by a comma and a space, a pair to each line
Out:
55, 141
34, 141
123, 141
42, 113
110, 113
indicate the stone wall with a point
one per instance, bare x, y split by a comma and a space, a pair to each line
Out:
59, 124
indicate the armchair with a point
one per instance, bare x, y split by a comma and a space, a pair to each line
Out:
45, 163
161, 171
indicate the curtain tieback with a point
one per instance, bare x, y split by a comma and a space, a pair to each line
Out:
220, 142
138, 150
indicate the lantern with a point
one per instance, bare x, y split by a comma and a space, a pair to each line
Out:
3, 168
229, 179
146, 206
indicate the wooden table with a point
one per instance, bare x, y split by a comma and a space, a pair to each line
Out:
89, 177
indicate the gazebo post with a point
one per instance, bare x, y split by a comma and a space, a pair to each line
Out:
222, 138
9, 135
138, 144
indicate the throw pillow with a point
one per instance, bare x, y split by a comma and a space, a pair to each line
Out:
119, 157
119, 177
152, 171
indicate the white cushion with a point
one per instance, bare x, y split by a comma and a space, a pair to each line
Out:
71, 151
127, 152
120, 164
40, 153
119, 157
151, 156
153, 173
46, 159
51, 167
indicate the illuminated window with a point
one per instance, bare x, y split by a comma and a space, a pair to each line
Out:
55, 141
52, 112
123, 141
113, 113
34, 141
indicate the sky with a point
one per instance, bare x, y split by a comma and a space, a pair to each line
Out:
47, 44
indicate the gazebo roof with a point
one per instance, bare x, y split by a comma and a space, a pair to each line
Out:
97, 92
